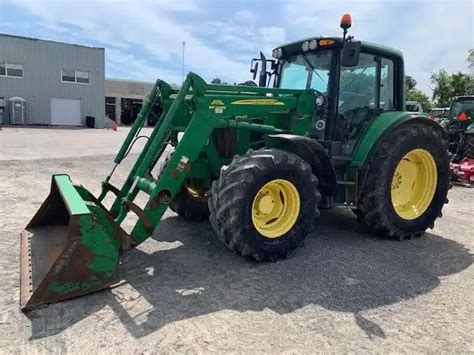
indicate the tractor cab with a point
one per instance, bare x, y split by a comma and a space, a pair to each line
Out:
462, 108
459, 126
353, 81
460, 114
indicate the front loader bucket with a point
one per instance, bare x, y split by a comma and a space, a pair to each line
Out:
71, 247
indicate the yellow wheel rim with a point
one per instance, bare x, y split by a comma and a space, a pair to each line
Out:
414, 184
275, 208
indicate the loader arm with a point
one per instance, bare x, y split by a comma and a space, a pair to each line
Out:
210, 107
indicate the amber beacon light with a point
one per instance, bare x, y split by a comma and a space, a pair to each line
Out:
346, 21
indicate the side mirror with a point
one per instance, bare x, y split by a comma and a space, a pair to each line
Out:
264, 75
254, 68
350, 53
262, 80
274, 65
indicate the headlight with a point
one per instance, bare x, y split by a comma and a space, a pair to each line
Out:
305, 46
320, 125
279, 53
313, 44
320, 100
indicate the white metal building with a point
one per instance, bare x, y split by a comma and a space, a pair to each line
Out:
50, 83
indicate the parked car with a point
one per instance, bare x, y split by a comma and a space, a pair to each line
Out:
438, 113
413, 106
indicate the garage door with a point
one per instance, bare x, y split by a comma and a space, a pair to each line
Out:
66, 112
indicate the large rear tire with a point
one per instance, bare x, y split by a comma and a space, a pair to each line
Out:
407, 183
469, 146
264, 204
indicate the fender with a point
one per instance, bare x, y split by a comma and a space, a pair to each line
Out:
313, 153
382, 125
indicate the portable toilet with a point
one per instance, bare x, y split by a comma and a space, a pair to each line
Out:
17, 110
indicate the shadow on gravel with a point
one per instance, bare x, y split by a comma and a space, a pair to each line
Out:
341, 268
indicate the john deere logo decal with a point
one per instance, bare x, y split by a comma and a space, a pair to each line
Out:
266, 102
217, 106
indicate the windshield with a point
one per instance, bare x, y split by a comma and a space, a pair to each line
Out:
304, 71
358, 85
464, 105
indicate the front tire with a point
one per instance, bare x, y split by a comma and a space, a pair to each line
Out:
189, 202
264, 204
407, 183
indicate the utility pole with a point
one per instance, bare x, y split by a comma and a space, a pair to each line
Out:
184, 45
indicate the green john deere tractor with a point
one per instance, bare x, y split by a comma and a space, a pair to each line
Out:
260, 161
459, 127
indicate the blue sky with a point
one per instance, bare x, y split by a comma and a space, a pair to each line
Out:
143, 40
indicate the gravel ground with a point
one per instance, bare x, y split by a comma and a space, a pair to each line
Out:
345, 291
28, 143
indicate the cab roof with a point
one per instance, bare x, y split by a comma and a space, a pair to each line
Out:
366, 46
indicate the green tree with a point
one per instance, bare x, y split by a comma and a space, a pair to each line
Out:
216, 81
462, 84
410, 82
447, 85
413, 94
419, 96
442, 88
470, 59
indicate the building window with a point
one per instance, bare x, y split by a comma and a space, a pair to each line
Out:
14, 70
82, 77
69, 76
75, 76
11, 70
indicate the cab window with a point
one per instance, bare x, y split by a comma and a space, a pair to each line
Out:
307, 71
358, 85
295, 74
